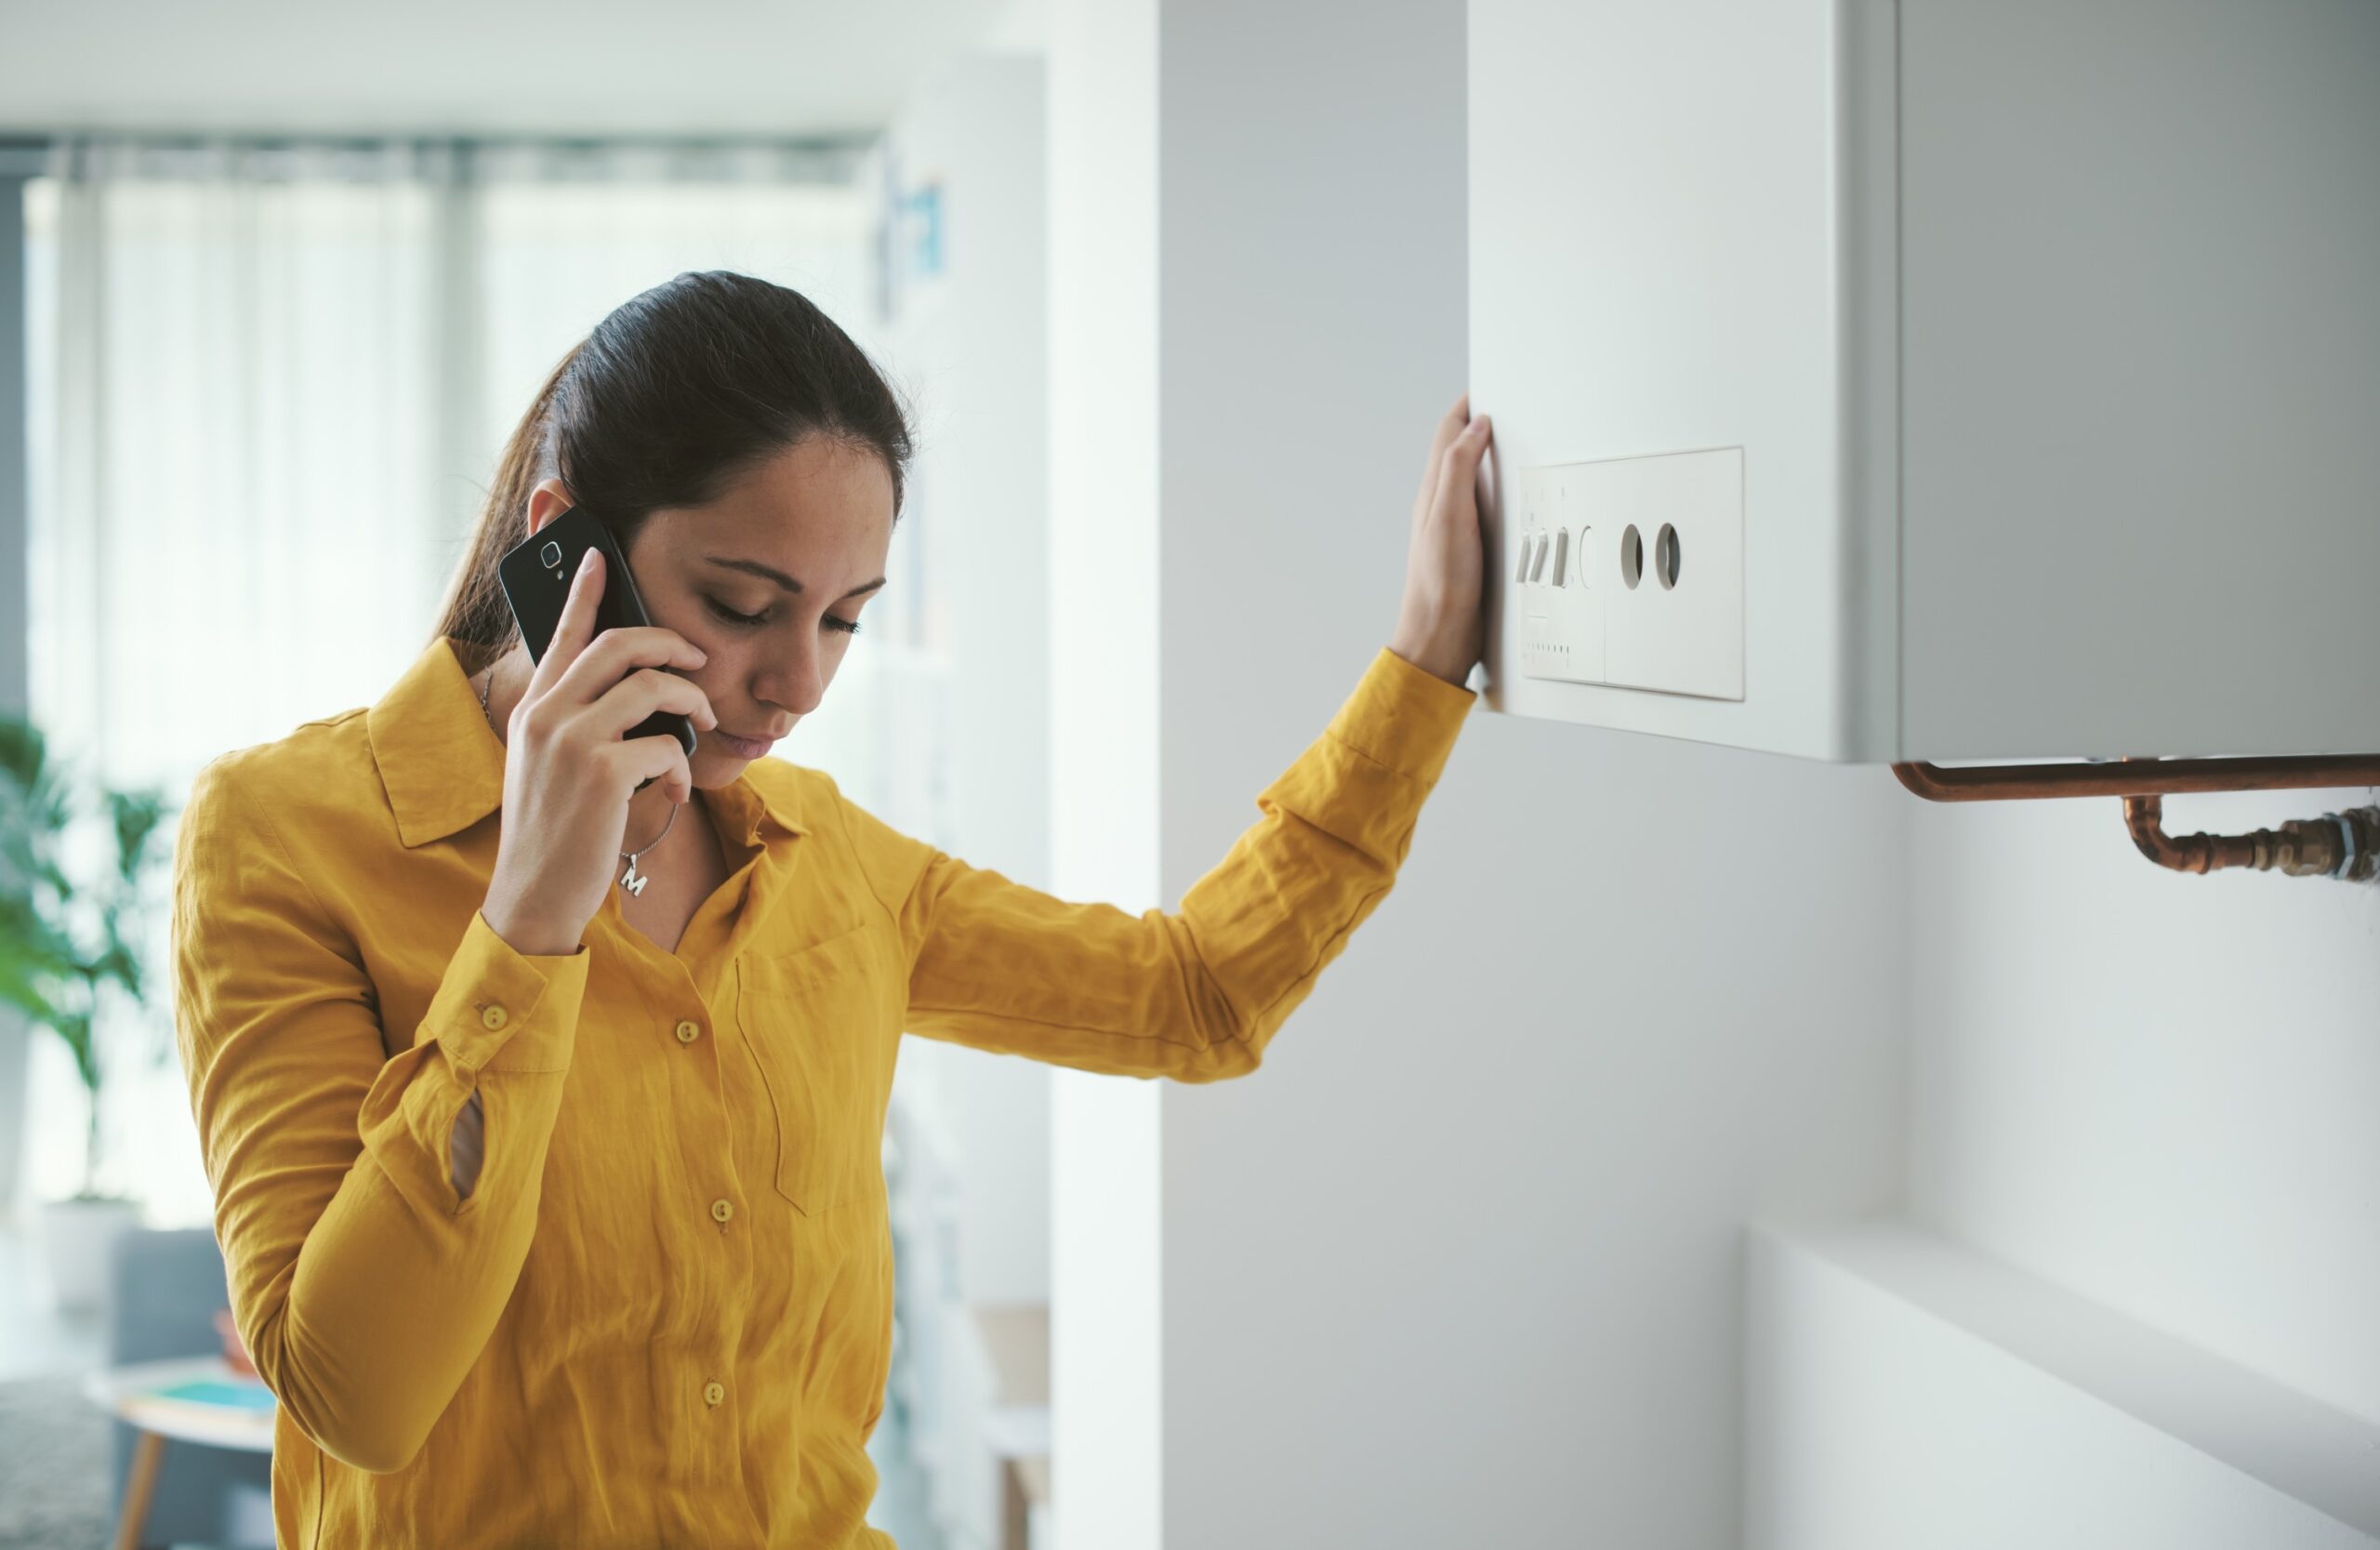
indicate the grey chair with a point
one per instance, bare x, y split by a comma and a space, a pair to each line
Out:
165, 1288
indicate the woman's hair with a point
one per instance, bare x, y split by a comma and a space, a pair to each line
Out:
675, 395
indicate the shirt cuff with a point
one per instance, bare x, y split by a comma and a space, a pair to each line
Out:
1403, 717
501, 1010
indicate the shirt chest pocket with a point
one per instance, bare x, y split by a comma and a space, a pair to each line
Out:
821, 1034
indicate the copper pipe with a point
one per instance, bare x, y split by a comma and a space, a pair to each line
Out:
2344, 845
2138, 777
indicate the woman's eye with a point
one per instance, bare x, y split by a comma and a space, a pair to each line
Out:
753, 621
732, 616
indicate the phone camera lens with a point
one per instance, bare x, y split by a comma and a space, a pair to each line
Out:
550, 555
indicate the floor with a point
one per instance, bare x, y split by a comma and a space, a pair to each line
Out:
53, 1448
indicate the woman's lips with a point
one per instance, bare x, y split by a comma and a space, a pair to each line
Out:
744, 747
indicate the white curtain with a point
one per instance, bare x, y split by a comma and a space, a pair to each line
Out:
268, 383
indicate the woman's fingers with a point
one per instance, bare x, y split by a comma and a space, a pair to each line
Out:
615, 655
574, 628
1459, 470
1450, 426
1440, 625
639, 695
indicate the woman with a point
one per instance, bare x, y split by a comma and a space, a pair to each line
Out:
552, 1208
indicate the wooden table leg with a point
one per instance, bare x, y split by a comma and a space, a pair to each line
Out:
138, 1486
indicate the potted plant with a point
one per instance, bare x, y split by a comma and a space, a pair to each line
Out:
64, 940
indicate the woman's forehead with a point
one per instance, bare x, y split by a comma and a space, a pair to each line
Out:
820, 511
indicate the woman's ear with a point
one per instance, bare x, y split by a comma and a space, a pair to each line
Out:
549, 500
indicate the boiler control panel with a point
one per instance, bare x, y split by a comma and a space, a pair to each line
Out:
1629, 571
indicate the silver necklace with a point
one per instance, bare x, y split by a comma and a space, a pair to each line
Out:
631, 880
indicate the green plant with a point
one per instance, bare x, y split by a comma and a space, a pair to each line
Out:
63, 938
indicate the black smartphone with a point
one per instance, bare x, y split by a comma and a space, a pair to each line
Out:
536, 576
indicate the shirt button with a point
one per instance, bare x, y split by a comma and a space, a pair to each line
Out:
720, 1211
689, 1032
493, 1018
714, 1392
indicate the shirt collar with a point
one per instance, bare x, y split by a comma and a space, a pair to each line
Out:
443, 765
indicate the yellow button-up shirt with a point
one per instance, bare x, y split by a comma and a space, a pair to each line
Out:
663, 1314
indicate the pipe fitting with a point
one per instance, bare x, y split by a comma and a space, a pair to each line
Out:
2342, 845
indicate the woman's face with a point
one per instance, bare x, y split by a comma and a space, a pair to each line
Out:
769, 581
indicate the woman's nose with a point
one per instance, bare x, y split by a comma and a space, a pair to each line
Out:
796, 686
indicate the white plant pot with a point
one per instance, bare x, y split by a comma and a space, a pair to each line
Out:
77, 1237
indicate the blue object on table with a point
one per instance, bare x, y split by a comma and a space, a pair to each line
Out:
209, 1391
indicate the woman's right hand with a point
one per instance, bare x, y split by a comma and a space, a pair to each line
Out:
570, 768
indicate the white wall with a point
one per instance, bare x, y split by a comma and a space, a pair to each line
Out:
2145, 1092
1463, 1263
1907, 1393
2155, 1089
970, 345
1107, 1443
2128, 1298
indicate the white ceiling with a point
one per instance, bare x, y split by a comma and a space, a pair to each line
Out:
478, 67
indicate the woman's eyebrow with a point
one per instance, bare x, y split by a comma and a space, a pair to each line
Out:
771, 574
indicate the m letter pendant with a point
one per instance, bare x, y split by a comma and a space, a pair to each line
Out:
631, 881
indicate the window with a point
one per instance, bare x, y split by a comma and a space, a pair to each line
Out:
269, 384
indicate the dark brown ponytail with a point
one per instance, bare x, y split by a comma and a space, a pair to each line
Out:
475, 612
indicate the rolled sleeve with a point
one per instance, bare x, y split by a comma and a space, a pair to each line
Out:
501, 1010
1362, 781
1403, 718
